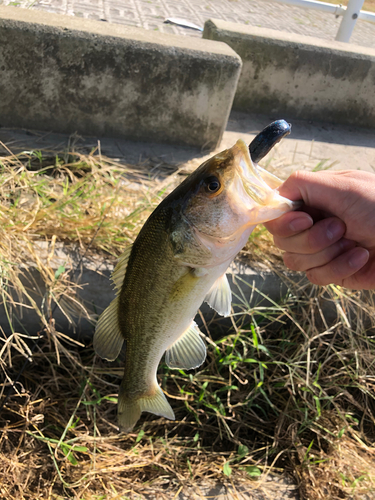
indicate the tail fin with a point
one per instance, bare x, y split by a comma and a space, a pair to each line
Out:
129, 410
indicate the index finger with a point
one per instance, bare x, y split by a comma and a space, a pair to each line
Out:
289, 224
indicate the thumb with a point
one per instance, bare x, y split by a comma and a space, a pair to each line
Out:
320, 190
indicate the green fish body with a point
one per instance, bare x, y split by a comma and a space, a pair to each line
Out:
178, 260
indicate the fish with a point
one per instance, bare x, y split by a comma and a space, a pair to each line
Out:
178, 260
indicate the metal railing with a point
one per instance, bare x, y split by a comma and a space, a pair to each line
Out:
350, 14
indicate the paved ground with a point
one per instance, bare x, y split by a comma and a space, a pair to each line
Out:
150, 14
342, 147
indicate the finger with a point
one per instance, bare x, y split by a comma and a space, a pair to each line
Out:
327, 191
340, 269
320, 236
301, 262
364, 279
315, 189
289, 224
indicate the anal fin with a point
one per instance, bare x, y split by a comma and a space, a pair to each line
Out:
108, 339
220, 296
189, 350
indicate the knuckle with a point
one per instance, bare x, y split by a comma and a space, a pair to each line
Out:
314, 277
335, 272
279, 242
298, 175
279, 227
293, 261
315, 239
325, 275
271, 226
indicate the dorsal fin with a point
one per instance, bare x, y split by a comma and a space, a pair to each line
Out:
118, 274
108, 340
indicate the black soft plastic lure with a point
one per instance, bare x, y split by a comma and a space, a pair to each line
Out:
262, 144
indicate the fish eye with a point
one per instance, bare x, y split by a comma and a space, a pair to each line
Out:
212, 184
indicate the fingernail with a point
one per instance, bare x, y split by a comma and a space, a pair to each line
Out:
359, 258
301, 223
334, 229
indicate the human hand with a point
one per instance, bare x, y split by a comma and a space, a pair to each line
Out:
333, 238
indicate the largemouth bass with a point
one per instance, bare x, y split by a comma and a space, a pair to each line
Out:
178, 260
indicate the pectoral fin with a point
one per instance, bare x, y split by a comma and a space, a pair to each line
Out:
220, 296
189, 350
108, 340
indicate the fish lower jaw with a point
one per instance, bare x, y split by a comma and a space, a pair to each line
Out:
276, 208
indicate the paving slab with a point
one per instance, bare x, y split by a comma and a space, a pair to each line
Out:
150, 14
308, 145
280, 487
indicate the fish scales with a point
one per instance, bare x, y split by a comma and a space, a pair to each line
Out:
143, 298
178, 260
153, 301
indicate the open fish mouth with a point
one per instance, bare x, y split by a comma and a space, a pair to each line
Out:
260, 186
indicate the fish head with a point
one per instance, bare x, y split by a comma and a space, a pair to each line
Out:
232, 193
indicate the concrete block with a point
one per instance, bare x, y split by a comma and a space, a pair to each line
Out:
250, 287
296, 76
66, 74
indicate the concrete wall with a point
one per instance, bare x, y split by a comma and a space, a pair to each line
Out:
68, 74
259, 289
296, 76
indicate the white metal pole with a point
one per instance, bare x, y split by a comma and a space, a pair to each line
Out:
348, 22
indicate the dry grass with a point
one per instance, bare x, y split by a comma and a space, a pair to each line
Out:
288, 387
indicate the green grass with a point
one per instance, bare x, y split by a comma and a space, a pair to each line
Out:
72, 197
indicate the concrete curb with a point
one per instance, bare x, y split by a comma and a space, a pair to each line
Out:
299, 76
252, 287
68, 74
